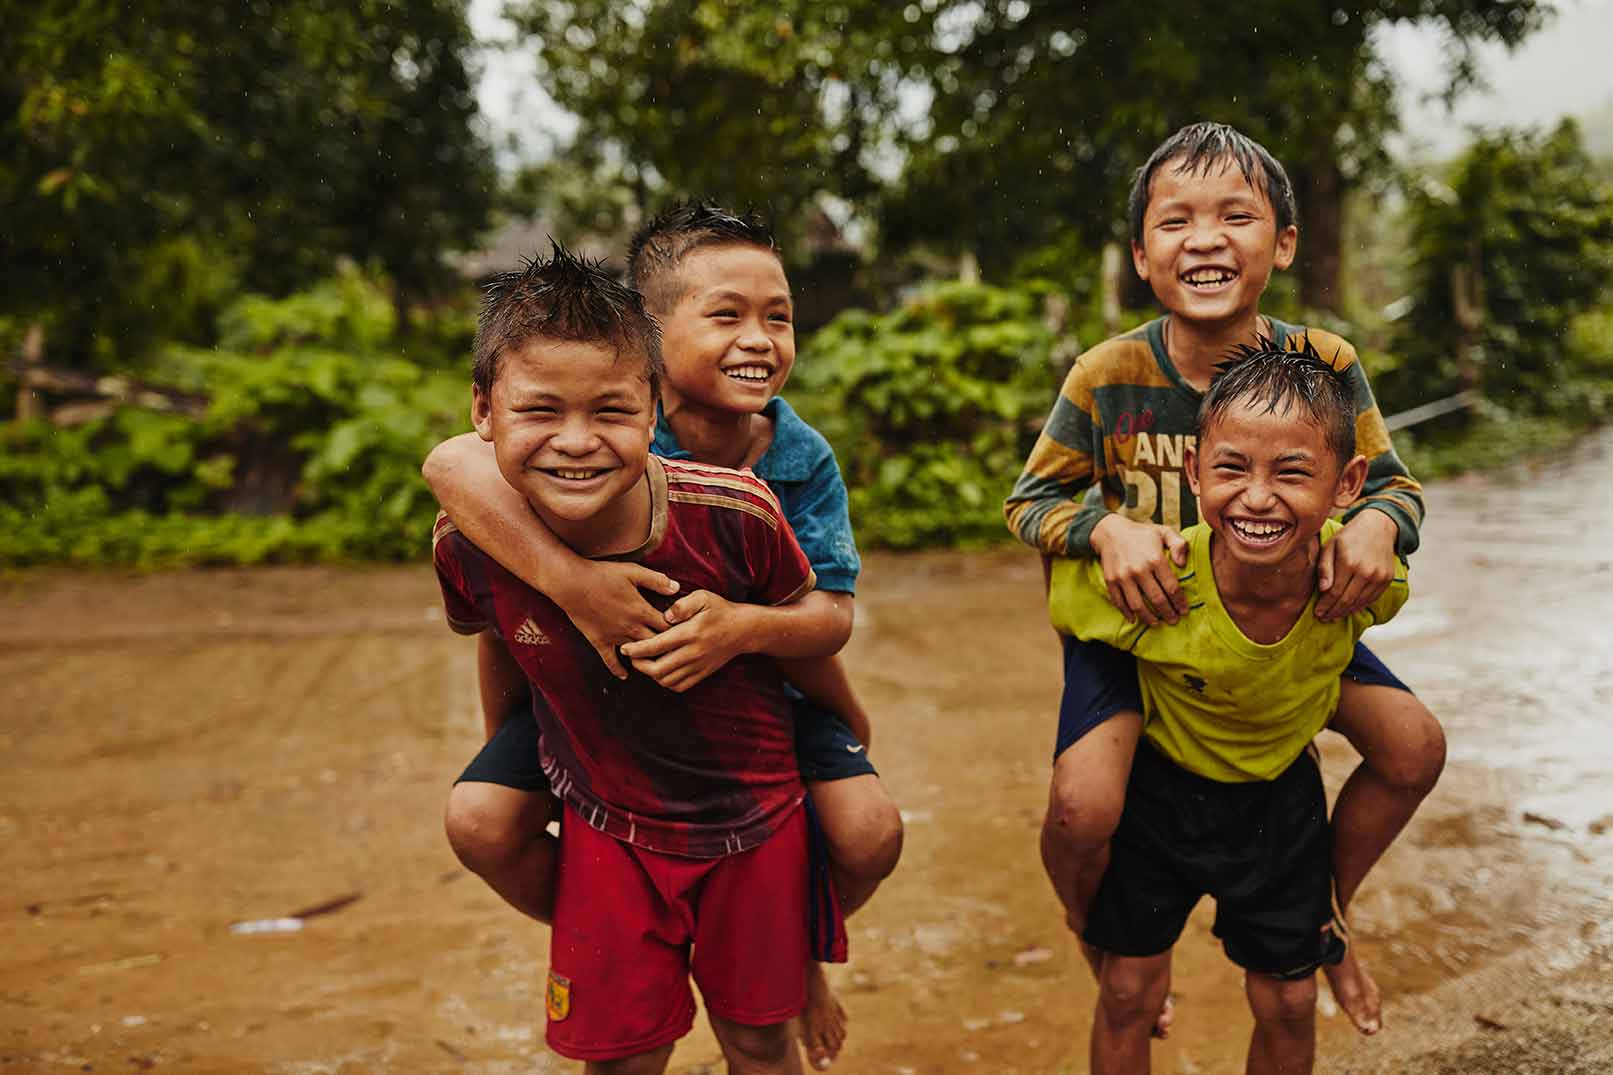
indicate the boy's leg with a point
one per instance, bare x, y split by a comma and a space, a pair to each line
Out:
1100, 719
498, 816
1284, 1039
862, 829
757, 1050
1130, 992
751, 949
1402, 748
650, 1063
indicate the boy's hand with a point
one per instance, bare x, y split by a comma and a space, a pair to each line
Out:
604, 603
1356, 566
706, 633
1136, 568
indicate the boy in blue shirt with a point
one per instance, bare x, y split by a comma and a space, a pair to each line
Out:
715, 283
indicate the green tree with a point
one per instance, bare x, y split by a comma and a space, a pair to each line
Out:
1511, 260
1013, 123
157, 155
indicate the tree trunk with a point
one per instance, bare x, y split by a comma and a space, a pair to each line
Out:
1320, 189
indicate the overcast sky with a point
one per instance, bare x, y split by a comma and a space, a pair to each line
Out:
1563, 69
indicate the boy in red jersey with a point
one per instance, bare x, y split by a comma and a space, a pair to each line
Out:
715, 283
683, 825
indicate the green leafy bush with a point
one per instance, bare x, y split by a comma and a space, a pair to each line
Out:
309, 449
931, 409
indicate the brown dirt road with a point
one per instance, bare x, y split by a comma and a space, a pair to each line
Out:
184, 751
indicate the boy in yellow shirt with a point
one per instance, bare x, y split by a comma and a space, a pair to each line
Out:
1224, 798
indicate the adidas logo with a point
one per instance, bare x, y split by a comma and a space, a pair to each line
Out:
529, 635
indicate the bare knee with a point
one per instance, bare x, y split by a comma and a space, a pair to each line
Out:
862, 825
877, 846
487, 830
1081, 818
1282, 1003
1417, 765
1131, 995
754, 1049
652, 1063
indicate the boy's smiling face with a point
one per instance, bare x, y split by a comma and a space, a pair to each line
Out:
1267, 481
571, 424
1210, 243
729, 341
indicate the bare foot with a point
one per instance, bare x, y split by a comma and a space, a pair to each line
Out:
822, 1026
1162, 1023
1356, 992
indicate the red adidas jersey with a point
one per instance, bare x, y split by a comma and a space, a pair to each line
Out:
705, 773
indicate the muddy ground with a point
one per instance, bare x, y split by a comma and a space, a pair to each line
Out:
184, 751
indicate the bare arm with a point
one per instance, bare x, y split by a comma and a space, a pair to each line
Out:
709, 631
601, 599
499, 680
823, 680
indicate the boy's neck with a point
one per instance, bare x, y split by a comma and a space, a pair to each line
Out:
619, 527
1265, 601
1195, 348
720, 438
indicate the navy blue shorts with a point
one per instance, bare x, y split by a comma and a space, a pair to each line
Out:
1261, 849
1100, 681
825, 749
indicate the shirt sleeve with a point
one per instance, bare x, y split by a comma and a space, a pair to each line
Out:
454, 556
780, 572
818, 511
1389, 487
1045, 509
1078, 604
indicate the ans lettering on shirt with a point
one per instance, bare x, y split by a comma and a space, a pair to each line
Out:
1150, 466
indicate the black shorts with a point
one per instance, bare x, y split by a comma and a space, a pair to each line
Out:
1261, 849
825, 749
1100, 681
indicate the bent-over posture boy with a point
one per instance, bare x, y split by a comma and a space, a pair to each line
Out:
715, 283
1212, 215
683, 845
1225, 797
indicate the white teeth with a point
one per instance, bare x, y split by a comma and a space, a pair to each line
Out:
749, 373
575, 475
1208, 277
1258, 530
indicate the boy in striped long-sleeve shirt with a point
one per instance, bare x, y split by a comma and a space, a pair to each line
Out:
1212, 215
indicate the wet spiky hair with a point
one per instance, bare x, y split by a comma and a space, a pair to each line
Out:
658, 248
1286, 380
1197, 149
563, 297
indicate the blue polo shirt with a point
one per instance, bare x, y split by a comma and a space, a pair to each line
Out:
800, 468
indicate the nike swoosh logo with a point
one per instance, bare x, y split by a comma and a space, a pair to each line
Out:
857, 749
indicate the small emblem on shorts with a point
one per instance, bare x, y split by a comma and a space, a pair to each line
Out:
854, 748
529, 635
1194, 683
558, 1001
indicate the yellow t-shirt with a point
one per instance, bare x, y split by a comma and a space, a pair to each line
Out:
1214, 702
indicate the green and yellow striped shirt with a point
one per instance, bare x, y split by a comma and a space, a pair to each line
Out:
1119, 429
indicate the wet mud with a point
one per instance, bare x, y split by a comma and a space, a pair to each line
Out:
184, 752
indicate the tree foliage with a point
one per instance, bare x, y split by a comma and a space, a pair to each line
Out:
1512, 260
160, 155
992, 126
931, 409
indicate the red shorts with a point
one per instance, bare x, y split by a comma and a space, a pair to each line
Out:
625, 920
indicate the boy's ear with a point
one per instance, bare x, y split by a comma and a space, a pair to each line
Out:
1190, 467
1287, 247
1139, 259
481, 412
1351, 479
